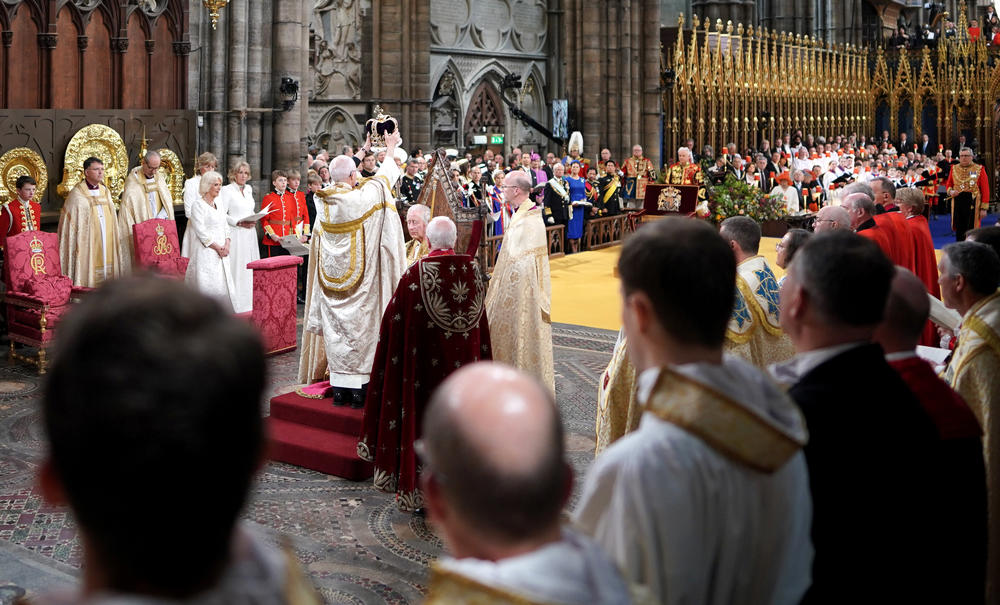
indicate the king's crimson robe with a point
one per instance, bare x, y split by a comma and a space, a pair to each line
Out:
434, 324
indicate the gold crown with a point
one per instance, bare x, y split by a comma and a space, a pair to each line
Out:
36, 245
379, 126
159, 229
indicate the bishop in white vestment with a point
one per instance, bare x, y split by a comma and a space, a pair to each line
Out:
356, 258
146, 196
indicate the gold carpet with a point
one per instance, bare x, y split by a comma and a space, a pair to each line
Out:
585, 289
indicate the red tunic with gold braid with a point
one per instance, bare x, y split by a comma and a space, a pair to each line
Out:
283, 217
20, 217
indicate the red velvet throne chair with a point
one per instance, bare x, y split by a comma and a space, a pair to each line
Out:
38, 294
157, 248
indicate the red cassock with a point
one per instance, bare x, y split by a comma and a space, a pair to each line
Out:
434, 324
880, 235
900, 241
925, 267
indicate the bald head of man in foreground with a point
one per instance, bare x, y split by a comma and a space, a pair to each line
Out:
906, 311
495, 476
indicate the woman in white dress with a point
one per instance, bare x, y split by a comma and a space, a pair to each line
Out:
237, 201
205, 162
208, 271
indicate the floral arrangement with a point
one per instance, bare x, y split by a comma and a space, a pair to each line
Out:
736, 197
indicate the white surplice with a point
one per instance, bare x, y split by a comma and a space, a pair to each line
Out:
572, 571
208, 272
190, 195
356, 258
693, 524
243, 243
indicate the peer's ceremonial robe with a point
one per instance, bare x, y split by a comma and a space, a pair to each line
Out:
880, 235
618, 409
974, 372
518, 302
434, 324
142, 199
356, 258
88, 236
708, 500
754, 330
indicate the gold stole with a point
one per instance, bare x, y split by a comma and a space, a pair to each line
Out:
727, 426
104, 265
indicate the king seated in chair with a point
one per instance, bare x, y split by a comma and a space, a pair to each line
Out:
434, 324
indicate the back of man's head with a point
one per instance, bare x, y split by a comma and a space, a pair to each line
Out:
154, 399
906, 310
493, 445
744, 231
859, 187
845, 276
688, 273
441, 233
985, 235
977, 263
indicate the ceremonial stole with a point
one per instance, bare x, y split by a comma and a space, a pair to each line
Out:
153, 197
104, 240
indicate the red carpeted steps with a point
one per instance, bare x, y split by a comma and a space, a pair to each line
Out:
315, 434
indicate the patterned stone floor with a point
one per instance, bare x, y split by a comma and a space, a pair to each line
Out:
350, 538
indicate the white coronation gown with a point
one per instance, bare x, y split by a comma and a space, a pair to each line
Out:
208, 272
243, 248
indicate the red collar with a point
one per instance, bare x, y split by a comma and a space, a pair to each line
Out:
441, 252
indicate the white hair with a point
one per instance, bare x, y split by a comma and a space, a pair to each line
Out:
150, 155
441, 233
341, 168
207, 180
683, 149
423, 211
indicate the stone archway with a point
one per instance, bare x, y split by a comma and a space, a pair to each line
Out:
485, 111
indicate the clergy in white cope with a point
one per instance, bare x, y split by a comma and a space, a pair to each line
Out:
519, 298
146, 196
356, 258
495, 480
708, 501
88, 230
206, 162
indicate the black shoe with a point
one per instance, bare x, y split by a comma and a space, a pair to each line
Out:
357, 398
420, 512
338, 397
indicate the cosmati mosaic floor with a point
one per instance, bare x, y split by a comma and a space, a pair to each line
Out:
351, 539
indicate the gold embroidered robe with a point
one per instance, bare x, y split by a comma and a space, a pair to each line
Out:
974, 372
639, 171
356, 258
685, 174
754, 331
618, 409
83, 257
135, 209
416, 250
518, 302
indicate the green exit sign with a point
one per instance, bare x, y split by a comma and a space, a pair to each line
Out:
496, 139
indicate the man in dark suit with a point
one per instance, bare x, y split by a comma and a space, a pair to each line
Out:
926, 148
871, 444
